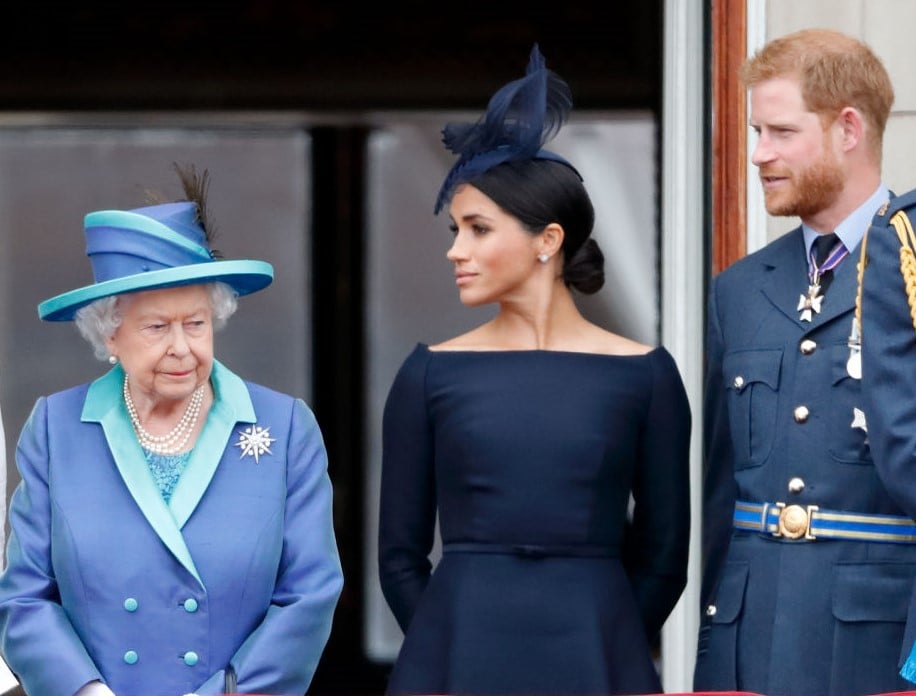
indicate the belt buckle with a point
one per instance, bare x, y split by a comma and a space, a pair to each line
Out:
795, 521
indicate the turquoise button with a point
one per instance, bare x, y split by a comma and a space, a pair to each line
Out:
131, 657
131, 604
190, 605
190, 658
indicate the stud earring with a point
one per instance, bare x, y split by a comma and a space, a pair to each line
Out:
112, 360
544, 258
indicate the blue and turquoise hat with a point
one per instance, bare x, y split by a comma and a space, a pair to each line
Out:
158, 246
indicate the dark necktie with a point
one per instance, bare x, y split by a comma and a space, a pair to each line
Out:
823, 245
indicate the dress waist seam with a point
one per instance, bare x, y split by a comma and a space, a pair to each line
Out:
535, 550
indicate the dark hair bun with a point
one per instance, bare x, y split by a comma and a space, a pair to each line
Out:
585, 270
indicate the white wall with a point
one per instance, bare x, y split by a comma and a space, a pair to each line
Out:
878, 23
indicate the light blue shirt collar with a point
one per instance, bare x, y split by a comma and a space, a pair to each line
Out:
853, 228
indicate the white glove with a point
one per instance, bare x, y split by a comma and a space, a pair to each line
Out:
95, 688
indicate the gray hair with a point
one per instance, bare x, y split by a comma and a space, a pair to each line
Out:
99, 320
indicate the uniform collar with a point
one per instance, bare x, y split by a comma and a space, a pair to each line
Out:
852, 229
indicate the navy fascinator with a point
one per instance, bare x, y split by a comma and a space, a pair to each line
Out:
521, 117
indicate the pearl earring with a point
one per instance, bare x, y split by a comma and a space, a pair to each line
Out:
112, 360
544, 258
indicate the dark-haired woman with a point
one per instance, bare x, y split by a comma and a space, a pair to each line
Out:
553, 453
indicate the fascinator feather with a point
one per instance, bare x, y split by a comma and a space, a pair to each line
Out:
158, 246
521, 117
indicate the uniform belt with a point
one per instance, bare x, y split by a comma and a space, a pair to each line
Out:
534, 550
810, 523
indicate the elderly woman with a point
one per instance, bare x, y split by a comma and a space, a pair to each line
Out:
172, 531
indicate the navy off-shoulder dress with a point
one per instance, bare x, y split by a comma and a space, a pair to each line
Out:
546, 584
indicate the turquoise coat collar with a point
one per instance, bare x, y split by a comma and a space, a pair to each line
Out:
232, 404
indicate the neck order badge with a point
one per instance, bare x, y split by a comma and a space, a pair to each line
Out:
826, 254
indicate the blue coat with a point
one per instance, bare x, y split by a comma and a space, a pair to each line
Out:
889, 372
105, 580
785, 617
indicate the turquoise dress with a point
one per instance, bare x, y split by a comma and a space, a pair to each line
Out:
166, 470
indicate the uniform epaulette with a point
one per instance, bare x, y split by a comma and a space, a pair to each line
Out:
887, 218
892, 206
898, 213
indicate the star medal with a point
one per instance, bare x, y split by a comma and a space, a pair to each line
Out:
255, 441
810, 304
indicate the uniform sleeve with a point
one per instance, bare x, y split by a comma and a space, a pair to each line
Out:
407, 509
282, 653
719, 484
659, 539
36, 637
888, 372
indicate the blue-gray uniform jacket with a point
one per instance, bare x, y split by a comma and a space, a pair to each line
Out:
822, 613
105, 580
889, 368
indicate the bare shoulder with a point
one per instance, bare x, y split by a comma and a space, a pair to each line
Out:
603, 341
475, 339
584, 338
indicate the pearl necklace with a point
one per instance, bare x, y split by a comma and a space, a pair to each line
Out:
175, 440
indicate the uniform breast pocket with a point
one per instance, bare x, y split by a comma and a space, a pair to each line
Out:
752, 381
848, 443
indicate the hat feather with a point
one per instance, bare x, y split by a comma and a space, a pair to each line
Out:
521, 117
